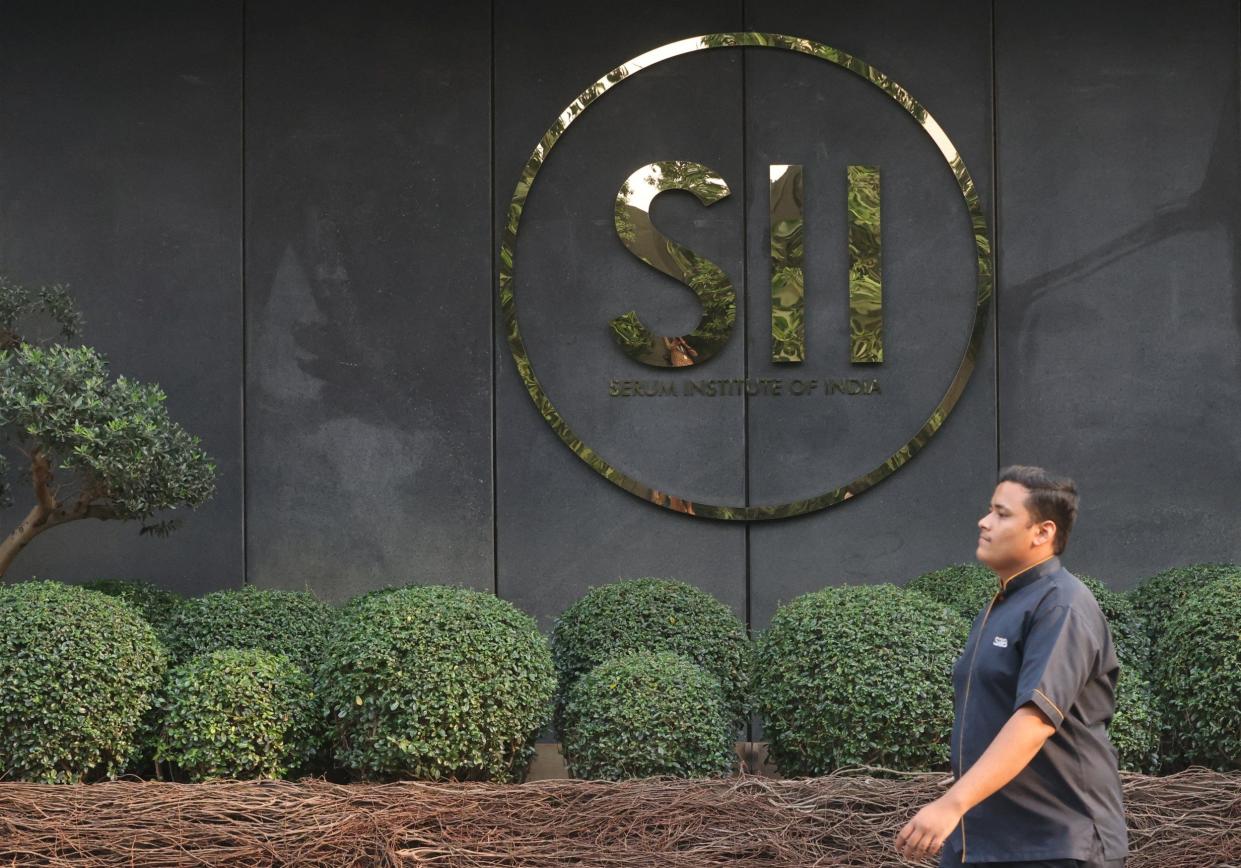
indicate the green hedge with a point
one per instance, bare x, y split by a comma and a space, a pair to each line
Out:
1134, 730
1133, 645
293, 623
964, 588
645, 714
855, 675
237, 713
154, 604
1198, 678
650, 614
1158, 597
436, 683
361, 599
78, 669
441, 683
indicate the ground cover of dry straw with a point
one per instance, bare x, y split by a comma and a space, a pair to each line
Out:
1187, 820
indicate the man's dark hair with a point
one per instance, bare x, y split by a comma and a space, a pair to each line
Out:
1051, 498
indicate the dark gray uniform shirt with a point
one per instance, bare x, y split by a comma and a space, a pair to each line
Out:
1044, 640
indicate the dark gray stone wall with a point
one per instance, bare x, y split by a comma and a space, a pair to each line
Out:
289, 216
368, 275
1120, 307
120, 174
921, 517
560, 527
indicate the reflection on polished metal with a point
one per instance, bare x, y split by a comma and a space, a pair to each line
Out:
706, 279
978, 224
865, 267
788, 323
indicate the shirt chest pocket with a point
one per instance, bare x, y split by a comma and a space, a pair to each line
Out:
998, 662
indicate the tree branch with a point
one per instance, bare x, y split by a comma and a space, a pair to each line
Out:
85, 496
40, 519
36, 518
101, 511
81, 508
41, 475
35, 522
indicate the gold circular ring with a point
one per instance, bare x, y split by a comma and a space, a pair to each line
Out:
929, 125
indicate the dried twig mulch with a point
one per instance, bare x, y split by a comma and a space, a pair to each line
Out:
1187, 820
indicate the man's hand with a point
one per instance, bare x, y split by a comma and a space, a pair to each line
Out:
1012, 748
925, 834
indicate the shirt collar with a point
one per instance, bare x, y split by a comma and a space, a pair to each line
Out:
1030, 574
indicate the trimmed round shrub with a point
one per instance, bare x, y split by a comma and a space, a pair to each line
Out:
237, 713
358, 600
437, 683
964, 588
154, 604
294, 623
78, 669
651, 614
1135, 728
858, 675
1158, 597
1198, 678
646, 714
1133, 645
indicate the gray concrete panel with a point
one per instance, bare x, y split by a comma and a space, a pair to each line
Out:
369, 303
120, 175
372, 338
1119, 308
561, 528
800, 110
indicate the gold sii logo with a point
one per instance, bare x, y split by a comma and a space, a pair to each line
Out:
714, 290
715, 294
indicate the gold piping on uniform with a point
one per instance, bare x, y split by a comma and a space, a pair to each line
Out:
1004, 584
1053, 705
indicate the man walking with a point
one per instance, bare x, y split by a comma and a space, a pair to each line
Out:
1036, 778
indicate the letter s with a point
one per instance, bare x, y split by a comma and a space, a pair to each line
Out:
703, 277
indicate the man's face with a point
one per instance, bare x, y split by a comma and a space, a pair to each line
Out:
1008, 534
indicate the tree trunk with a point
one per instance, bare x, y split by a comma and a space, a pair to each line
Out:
40, 517
48, 511
33, 525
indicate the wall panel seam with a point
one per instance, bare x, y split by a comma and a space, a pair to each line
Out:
493, 476
745, 307
245, 322
995, 243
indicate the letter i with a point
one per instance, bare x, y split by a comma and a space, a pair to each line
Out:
788, 323
865, 267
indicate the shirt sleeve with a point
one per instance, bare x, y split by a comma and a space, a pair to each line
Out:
1058, 656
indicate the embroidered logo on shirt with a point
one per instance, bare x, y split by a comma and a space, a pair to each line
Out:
1000, 642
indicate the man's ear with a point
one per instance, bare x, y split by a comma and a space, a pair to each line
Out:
1046, 532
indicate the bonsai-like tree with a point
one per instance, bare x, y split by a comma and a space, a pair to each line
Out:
120, 455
